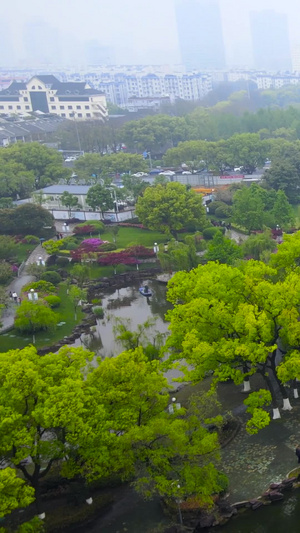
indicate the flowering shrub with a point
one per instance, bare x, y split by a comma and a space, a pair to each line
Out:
85, 230
88, 248
93, 243
129, 225
117, 258
140, 251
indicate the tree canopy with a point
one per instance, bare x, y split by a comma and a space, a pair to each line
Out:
100, 198
170, 208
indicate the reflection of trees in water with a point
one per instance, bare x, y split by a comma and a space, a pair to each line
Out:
92, 342
158, 304
126, 301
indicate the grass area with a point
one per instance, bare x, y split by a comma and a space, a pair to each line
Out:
129, 236
23, 251
13, 339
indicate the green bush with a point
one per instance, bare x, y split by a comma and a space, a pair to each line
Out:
224, 211
53, 300
209, 233
62, 261
6, 273
98, 311
44, 287
97, 301
213, 206
53, 277
32, 239
70, 244
63, 252
108, 247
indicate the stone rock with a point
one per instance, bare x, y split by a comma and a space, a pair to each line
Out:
256, 505
206, 521
241, 505
288, 481
275, 486
275, 496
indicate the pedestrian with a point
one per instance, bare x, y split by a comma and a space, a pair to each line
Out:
10, 295
15, 297
19, 301
298, 452
61, 235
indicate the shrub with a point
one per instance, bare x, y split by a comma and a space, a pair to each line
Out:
53, 301
224, 211
98, 311
209, 233
108, 247
62, 261
93, 227
213, 206
6, 273
132, 225
70, 244
44, 287
31, 239
140, 251
97, 301
53, 277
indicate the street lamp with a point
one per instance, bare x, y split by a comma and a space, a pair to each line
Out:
156, 248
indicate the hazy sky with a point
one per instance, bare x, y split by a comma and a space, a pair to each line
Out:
139, 30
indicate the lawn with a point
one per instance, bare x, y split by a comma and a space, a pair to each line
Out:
129, 236
23, 251
12, 339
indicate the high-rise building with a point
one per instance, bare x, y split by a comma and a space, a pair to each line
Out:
200, 34
270, 41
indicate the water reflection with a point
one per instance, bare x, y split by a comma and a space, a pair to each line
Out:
127, 304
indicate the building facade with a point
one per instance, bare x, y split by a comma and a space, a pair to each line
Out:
200, 34
46, 94
270, 41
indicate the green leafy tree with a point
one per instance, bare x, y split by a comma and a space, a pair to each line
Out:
99, 198
256, 245
248, 208
70, 201
6, 273
151, 340
14, 492
287, 258
134, 186
170, 208
102, 166
179, 256
8, 247
282, 211
77, 296
27, 219
35, 316
231, 322
284, 176
80, 273
223, 250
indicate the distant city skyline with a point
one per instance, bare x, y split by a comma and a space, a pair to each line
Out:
270, 40
71, 32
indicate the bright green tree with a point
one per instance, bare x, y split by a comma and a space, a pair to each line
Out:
170, 208
178, 256
70, 201
80, 273
282, 211
35, 316
14, 493
100, 198
77, 295
255, 245
230, 324
223, 250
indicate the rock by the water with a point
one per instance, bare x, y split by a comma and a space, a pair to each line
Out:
275, 496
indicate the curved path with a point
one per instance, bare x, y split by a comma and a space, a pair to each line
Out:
17, 284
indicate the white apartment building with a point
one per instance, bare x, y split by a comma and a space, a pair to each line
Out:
46, 94
120, 88
269, 81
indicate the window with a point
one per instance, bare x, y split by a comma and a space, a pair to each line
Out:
88, 114
78, 107
53, 107
51, 98
1, 106
10, 107
61, 107
71, 115
86, 107
25, 99
27, 107
33, 87
63, 114
18, 107
70, 107
40, 88
80, 115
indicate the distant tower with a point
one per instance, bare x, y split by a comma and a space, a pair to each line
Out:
270, 41
200, 34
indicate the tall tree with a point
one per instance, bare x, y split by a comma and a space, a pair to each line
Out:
170, 208
231, 323
70, 201
223, 250
100, 198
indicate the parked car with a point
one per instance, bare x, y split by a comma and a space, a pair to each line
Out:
140, 174
167, 173
187, 172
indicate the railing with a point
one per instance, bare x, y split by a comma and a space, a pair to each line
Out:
21, 268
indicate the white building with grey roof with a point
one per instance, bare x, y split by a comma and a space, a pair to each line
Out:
46, 94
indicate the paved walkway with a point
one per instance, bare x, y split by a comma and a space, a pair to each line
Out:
17, 284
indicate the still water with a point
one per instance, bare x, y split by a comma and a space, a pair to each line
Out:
132, 309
